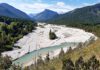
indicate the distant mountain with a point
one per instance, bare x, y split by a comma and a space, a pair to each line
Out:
88, 14
32, 15
45, 15
9, 11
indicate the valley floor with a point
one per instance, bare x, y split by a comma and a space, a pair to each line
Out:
39, 38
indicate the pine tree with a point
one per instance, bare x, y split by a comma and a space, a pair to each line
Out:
61, 54
68, 65
5, 62
79, 64
52, 35
69, 50
93, 63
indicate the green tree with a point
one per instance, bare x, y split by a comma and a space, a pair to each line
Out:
69, 50
79, 64
61, 54
5, 62
12, 30
68, 64
93, 63
52, 35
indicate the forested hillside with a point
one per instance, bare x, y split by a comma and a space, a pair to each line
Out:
13, 29
12, 12
88, 14
87, 18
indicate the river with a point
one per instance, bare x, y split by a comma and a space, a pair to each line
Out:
36, 53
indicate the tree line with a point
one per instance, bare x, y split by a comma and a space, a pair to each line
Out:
13, 29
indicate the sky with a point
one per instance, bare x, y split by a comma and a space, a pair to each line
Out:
60, 6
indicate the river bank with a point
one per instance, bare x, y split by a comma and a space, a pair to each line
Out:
39, 39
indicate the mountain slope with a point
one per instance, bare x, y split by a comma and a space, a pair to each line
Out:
88, 14
9, 11
45, 15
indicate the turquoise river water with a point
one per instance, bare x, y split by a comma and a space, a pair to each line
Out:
27, 57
